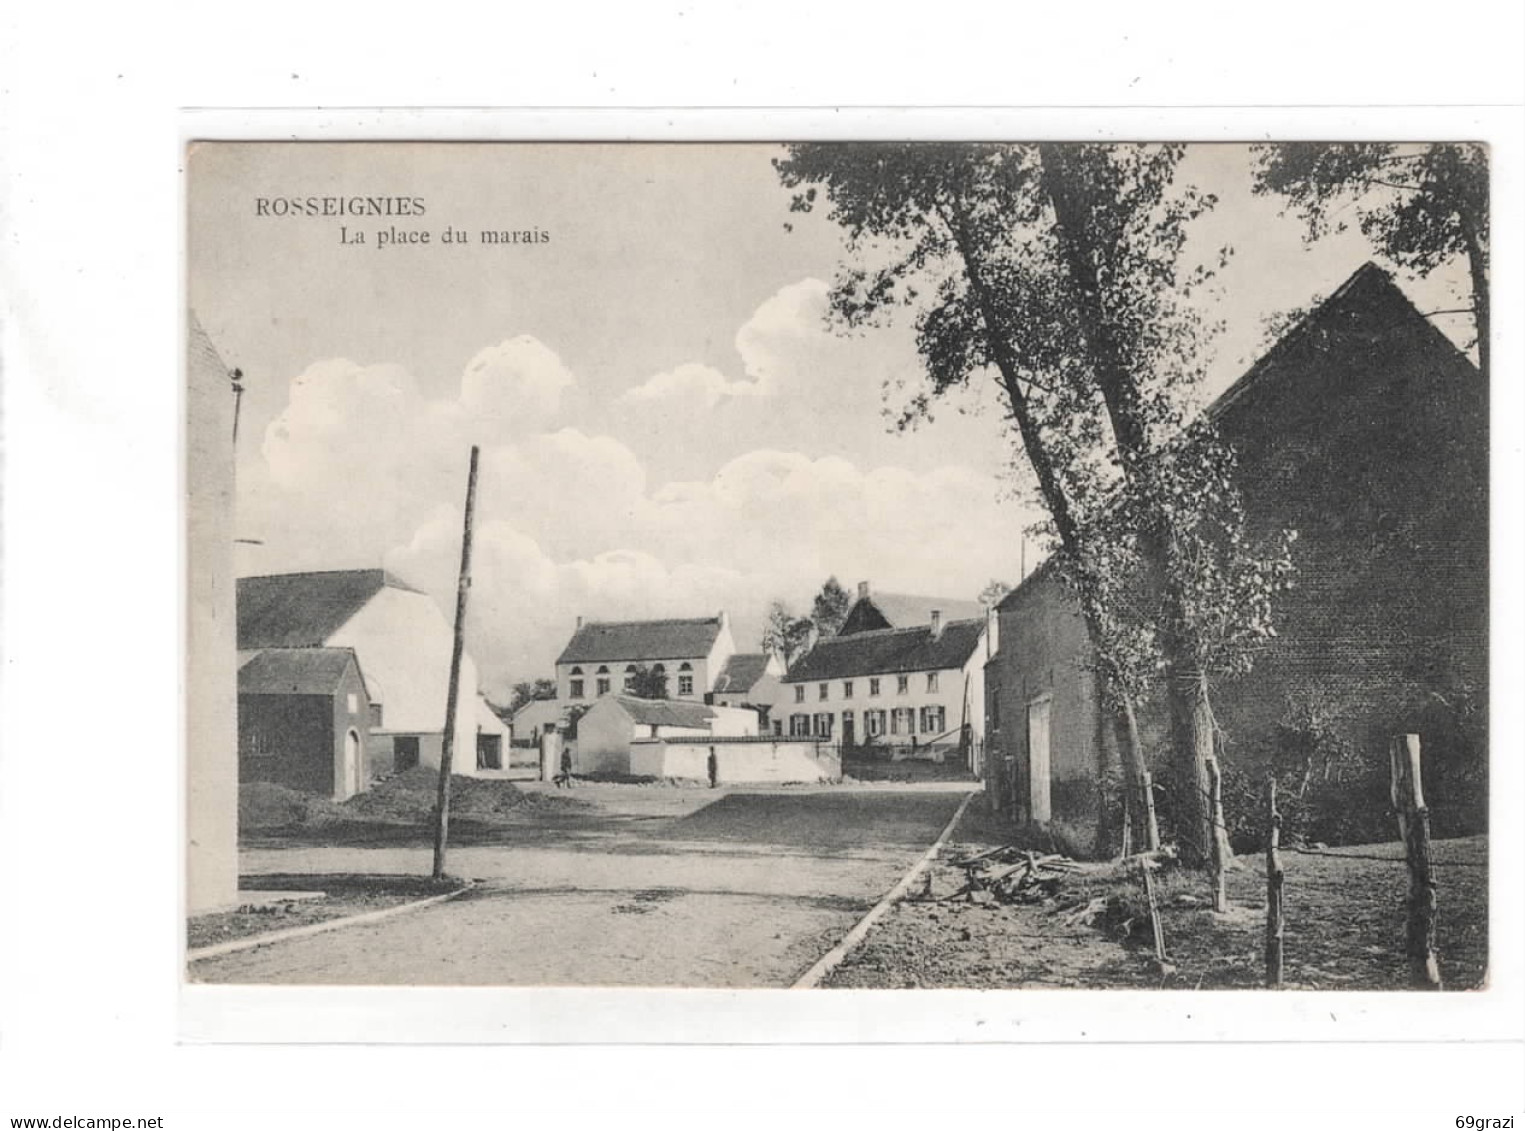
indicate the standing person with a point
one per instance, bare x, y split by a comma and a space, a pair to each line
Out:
713, 764
566, 767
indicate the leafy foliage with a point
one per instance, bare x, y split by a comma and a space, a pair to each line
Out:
648, 683
994, 590
528, 691
829, 609
785, 634
1421, 205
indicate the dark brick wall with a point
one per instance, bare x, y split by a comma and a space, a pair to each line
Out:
1367, 433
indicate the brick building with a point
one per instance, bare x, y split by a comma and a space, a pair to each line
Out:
1365, 430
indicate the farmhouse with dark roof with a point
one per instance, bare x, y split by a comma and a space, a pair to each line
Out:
602, 657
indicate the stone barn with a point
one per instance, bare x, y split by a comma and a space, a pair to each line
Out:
303, 720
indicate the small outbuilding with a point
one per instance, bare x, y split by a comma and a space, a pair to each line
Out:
303, 720
606, 731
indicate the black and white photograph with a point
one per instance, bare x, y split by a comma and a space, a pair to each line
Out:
838, 565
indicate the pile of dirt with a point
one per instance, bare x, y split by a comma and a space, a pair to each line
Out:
265, 805
410, 797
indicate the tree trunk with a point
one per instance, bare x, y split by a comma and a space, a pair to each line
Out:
1192, 731
1477, 265
1145, 829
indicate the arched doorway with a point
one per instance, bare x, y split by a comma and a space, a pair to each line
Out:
354, 763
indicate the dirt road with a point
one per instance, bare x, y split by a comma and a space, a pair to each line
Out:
649, 886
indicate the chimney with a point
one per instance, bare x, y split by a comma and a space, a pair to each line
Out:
937, 623
725, 619
579, 623
862, 590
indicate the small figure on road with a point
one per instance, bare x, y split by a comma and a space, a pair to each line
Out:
713, 764
565, 777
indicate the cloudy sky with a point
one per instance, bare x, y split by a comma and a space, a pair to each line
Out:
668, 424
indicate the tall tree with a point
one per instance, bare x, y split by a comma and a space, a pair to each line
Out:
648, 683
1421, 205
829, 609
1059, 272
784, 634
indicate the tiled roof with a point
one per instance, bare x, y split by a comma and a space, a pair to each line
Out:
741, 672
904, 610
666, 712
294, 671
887, 651
302, 610
635, 640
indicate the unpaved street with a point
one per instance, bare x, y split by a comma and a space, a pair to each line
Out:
649, 886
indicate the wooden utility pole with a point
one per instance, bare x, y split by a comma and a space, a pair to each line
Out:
1275, 880
452, 697
1414, 827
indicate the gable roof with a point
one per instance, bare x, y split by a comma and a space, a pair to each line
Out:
302, 610
666, 712
633, 640
904, 610
1366, 309
295, 671
888, 651
741, 672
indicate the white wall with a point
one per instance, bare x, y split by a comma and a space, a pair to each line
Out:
737, 763
403, 642
211, 755
732, 722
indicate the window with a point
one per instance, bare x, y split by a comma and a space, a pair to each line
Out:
902, 684
375, 716
352, 703
799, 726
685, 678
931, 681
823, 725
825, 691
903, 721
873, 723
575, 689
932, 719
847, 724
847, 689
603, 680
629, 677
873, 686
799, 693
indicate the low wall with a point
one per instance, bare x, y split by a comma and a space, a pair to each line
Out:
737, 762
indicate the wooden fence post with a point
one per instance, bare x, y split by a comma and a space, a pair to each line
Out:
1414, 826
1220, 836
1275, 879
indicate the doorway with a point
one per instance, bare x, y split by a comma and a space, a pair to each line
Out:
1038, 712
354, 764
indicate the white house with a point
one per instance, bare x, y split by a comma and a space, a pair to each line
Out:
403, 644
602, 657
913, 689
530, 721
606, 731
749, 679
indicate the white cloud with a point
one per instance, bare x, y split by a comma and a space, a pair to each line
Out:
692, 382
788, 326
